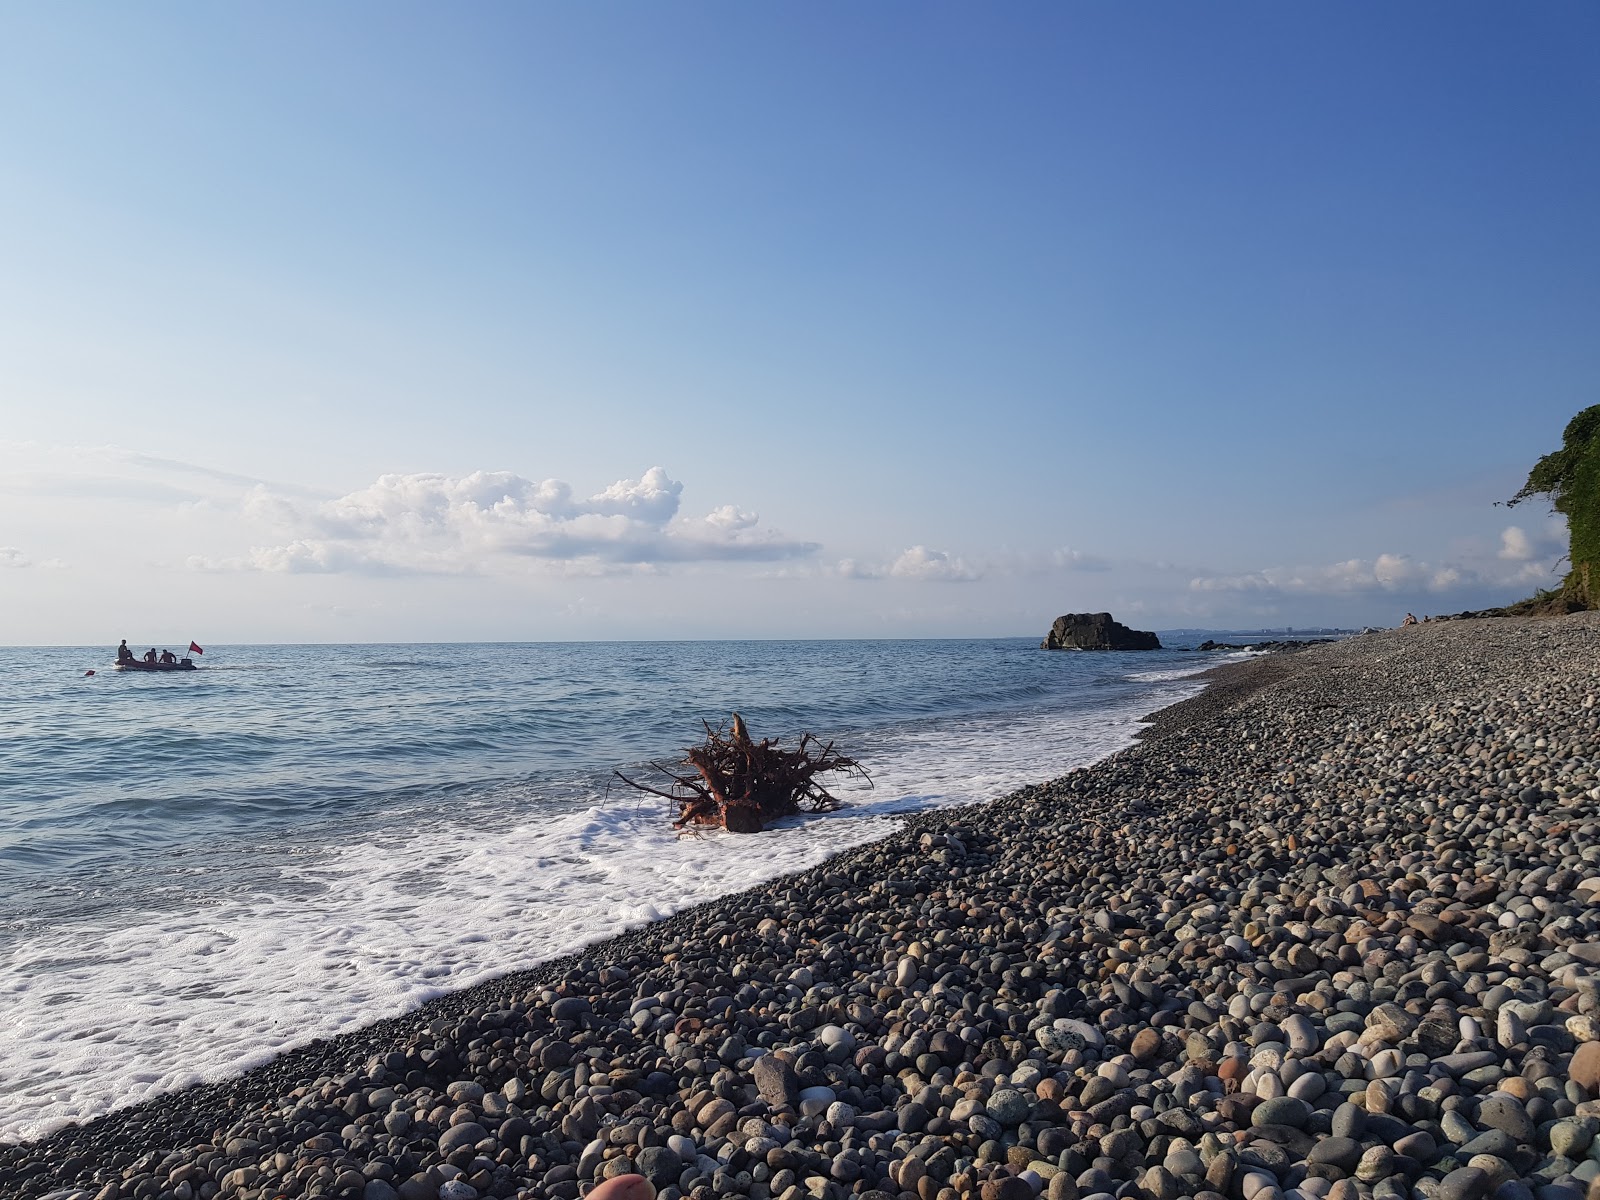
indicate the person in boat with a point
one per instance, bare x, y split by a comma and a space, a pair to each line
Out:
123, 653
150, 655
167, 656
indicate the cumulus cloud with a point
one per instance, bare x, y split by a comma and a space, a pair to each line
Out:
1516, 545
1386, 573
10, 556
438, 524
919, 564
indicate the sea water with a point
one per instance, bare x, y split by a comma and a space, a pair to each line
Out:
199, 870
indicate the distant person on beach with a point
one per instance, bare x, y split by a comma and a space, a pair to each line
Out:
1410, 620
150, 655
123, 653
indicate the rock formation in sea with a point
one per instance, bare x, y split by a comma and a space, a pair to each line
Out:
1096, 631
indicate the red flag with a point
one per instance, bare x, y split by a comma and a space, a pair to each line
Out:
193, 649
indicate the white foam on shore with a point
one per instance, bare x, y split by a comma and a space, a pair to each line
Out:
99, 1016
1196, 667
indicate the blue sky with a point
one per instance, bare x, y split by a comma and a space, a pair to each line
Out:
402, 322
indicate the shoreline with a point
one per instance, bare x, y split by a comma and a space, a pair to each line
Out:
1123, 804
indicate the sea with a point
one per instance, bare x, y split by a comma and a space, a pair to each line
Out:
200, 870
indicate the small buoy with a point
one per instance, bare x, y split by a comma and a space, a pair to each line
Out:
86, 674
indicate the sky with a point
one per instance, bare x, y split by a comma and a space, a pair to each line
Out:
535, 321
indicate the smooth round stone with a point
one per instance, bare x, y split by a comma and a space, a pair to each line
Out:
1491, 1141
1505, 1112
836, 1038
1184, 1162
1258, 1185
1114, 1074
1341, 1152
1027, 1076
818, 1095
1268, 1086
1572, 1136
1158, 1184
1008, 1106
1419, 1145
1308, 1087
1268, 1057
1282, 1110
1344, 1022
1385, 1064
661, 1165
1498, 1170
1497, 995
1464, 1183
1265, 1031
469, 1133
1381, 1094
1302, 1034
1377, 1162
1349, 1121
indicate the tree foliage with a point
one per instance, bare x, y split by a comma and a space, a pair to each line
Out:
1570, 477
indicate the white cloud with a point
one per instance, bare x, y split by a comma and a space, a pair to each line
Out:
731, 517
435, 524
652, 499
852, 568
1388, 573
10, 556
919, 562
1516, 545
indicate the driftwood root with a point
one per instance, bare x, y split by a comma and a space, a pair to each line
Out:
742, 785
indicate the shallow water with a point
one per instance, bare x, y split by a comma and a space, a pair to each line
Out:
199, 870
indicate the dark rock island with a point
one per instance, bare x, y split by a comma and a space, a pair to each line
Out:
1096, 631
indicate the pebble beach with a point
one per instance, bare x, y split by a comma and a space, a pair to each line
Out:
1331, 930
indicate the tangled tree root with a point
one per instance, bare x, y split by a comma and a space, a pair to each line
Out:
742, 785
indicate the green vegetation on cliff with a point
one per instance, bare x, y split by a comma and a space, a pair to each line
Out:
1570, 477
